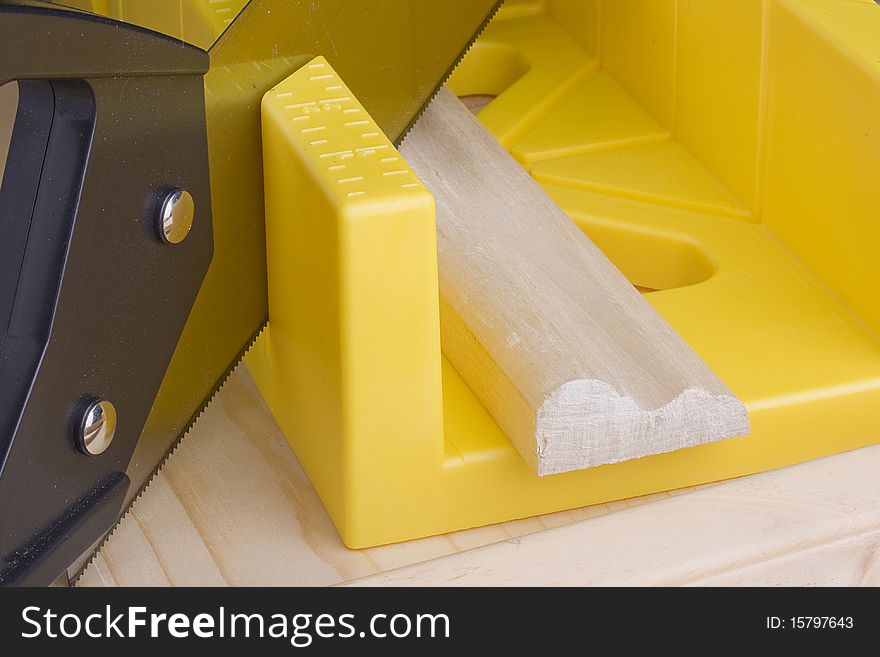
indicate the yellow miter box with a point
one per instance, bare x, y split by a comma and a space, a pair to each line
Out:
690, 148
350, 364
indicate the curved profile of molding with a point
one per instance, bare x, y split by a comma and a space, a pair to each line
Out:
573, 363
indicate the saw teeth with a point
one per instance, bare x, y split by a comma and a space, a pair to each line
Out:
183, 434
399, 140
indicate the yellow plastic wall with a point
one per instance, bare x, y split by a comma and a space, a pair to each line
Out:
821, 187
638, 49
199, 22
350, 362
717, 89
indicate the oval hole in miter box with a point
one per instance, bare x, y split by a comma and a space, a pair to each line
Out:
650, 260
488, 70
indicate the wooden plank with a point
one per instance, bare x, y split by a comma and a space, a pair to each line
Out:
849, 561
814, 523
571, 361
233, 506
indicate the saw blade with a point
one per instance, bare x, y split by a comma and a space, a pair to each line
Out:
395, 55
76, 569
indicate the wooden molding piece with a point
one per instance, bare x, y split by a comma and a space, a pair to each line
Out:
574, 365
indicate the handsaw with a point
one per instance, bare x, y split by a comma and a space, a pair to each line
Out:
117, 336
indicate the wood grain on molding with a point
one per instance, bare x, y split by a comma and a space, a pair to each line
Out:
571, 361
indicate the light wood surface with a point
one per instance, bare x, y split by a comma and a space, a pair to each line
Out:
565, 354
233, 506
816, 523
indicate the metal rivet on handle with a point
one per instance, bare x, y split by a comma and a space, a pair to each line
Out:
176, 216
97, 427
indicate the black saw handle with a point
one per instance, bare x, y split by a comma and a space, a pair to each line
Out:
110, 121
